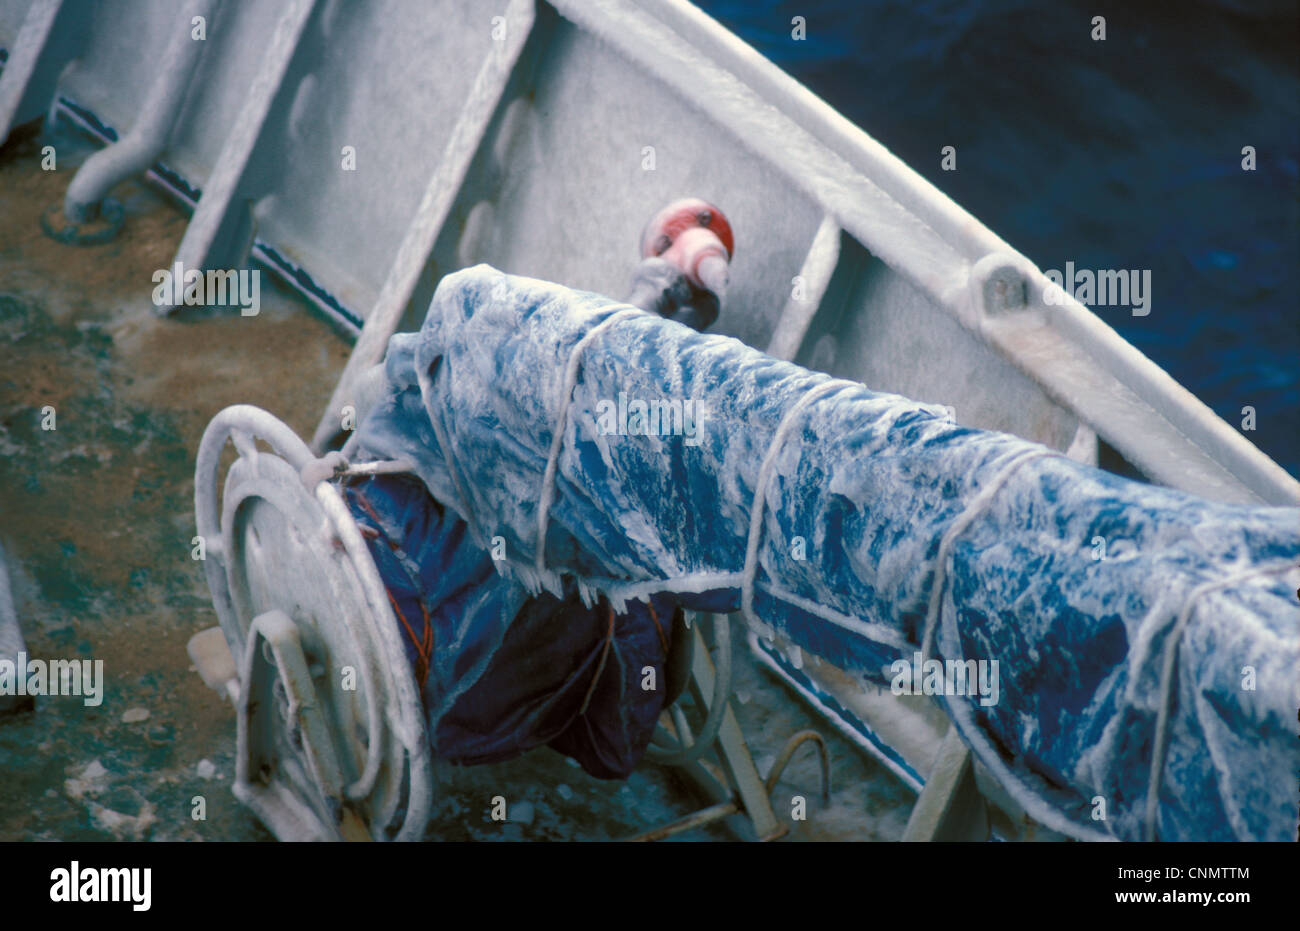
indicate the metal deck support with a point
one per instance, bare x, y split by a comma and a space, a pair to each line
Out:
733, 752
220, 233
135, 152
950, 807
797, 315
741, 792
47, 41
439, 195
11, 639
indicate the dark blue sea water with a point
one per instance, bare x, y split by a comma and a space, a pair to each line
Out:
1115, 154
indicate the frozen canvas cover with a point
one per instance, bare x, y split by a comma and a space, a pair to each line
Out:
885, 530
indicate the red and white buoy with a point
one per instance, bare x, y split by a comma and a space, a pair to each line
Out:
695, 237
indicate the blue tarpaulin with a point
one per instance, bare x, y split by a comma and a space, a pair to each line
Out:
638, 451
503, 672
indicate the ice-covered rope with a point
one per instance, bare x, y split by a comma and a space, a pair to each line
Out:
380, 467
600, 667
1040, 808
547, 493
750, 569
1160, 748
335, 465
972, 510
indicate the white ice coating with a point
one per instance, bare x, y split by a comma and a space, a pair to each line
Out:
871, 483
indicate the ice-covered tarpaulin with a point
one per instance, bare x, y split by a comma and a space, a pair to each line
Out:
883, 528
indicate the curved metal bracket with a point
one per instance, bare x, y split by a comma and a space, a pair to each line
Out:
666, 751
278, 704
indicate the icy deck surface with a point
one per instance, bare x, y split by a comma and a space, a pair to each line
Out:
97, 517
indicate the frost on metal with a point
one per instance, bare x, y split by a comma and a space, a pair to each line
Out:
12, 648
873, 482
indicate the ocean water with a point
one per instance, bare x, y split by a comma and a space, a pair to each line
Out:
1117, 154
